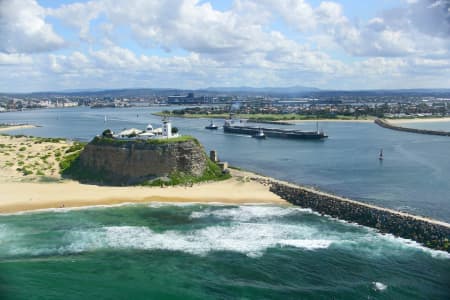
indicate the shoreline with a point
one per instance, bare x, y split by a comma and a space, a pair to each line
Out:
31, 196
418, 120
294, 121
330, 120
15, 127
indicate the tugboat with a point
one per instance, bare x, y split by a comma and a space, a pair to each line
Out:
212, 126
260, 135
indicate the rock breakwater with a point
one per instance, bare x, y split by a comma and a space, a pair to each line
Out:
431, 233
386, 124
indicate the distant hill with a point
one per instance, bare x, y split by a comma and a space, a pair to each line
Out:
265, 90
294, 91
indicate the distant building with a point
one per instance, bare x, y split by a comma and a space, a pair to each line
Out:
188, 99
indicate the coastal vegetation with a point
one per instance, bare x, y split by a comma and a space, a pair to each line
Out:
32, 157
264, 116
212, 173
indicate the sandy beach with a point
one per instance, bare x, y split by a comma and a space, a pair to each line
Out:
418, 120
14, 127
41, 186
26, 196
329, 120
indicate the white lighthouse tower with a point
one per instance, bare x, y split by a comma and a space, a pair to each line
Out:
167, 128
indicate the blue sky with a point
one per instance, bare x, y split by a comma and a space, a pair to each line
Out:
372, 44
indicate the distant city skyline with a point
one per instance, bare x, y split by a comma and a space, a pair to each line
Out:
190, 44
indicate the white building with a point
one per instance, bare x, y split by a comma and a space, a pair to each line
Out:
167, 128
164, 132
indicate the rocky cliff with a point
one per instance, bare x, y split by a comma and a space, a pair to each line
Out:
121, 162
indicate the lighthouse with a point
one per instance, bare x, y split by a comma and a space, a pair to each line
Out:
167, 128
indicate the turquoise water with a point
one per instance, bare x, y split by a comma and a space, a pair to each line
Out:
414, 175
163, 251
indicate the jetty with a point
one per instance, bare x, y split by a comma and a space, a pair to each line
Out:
384, 123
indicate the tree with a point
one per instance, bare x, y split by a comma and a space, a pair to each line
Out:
174, 130
107, 133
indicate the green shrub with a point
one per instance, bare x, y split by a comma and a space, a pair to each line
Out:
68, 160
211, 173
77, 146
26, 172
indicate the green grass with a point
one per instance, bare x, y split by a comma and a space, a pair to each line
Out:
212, 173
40, 140
77, 146
67, 161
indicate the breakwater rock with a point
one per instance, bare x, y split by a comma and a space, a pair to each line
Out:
430, 233
386, 124
122, 162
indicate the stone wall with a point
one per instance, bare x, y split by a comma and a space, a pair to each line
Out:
386, 124
135, 162
430, 233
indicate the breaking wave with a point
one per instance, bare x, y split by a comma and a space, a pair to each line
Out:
250, 239
247, 229
246, 213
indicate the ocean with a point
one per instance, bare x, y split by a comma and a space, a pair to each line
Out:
198, 251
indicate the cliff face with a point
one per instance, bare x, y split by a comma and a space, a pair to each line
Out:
134, 162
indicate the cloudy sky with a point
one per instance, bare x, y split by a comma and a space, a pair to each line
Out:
347, 44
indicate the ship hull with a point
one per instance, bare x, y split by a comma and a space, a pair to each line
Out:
275, 132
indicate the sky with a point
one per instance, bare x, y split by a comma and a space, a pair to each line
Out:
50, 45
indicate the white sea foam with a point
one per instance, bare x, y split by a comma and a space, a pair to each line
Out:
246, 213
378, 286
248, 238
250, 230
307, 244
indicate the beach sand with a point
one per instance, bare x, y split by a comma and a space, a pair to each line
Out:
25, 196
418, 120
20, 192
14, 127
330, 120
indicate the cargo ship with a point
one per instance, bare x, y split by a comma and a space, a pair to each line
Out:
230, 127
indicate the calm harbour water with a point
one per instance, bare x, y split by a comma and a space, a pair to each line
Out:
163, 251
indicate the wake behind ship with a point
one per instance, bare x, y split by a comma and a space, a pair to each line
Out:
230, 127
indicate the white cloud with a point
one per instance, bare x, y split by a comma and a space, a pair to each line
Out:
308, 45
78, 15
23, 28
15, 59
